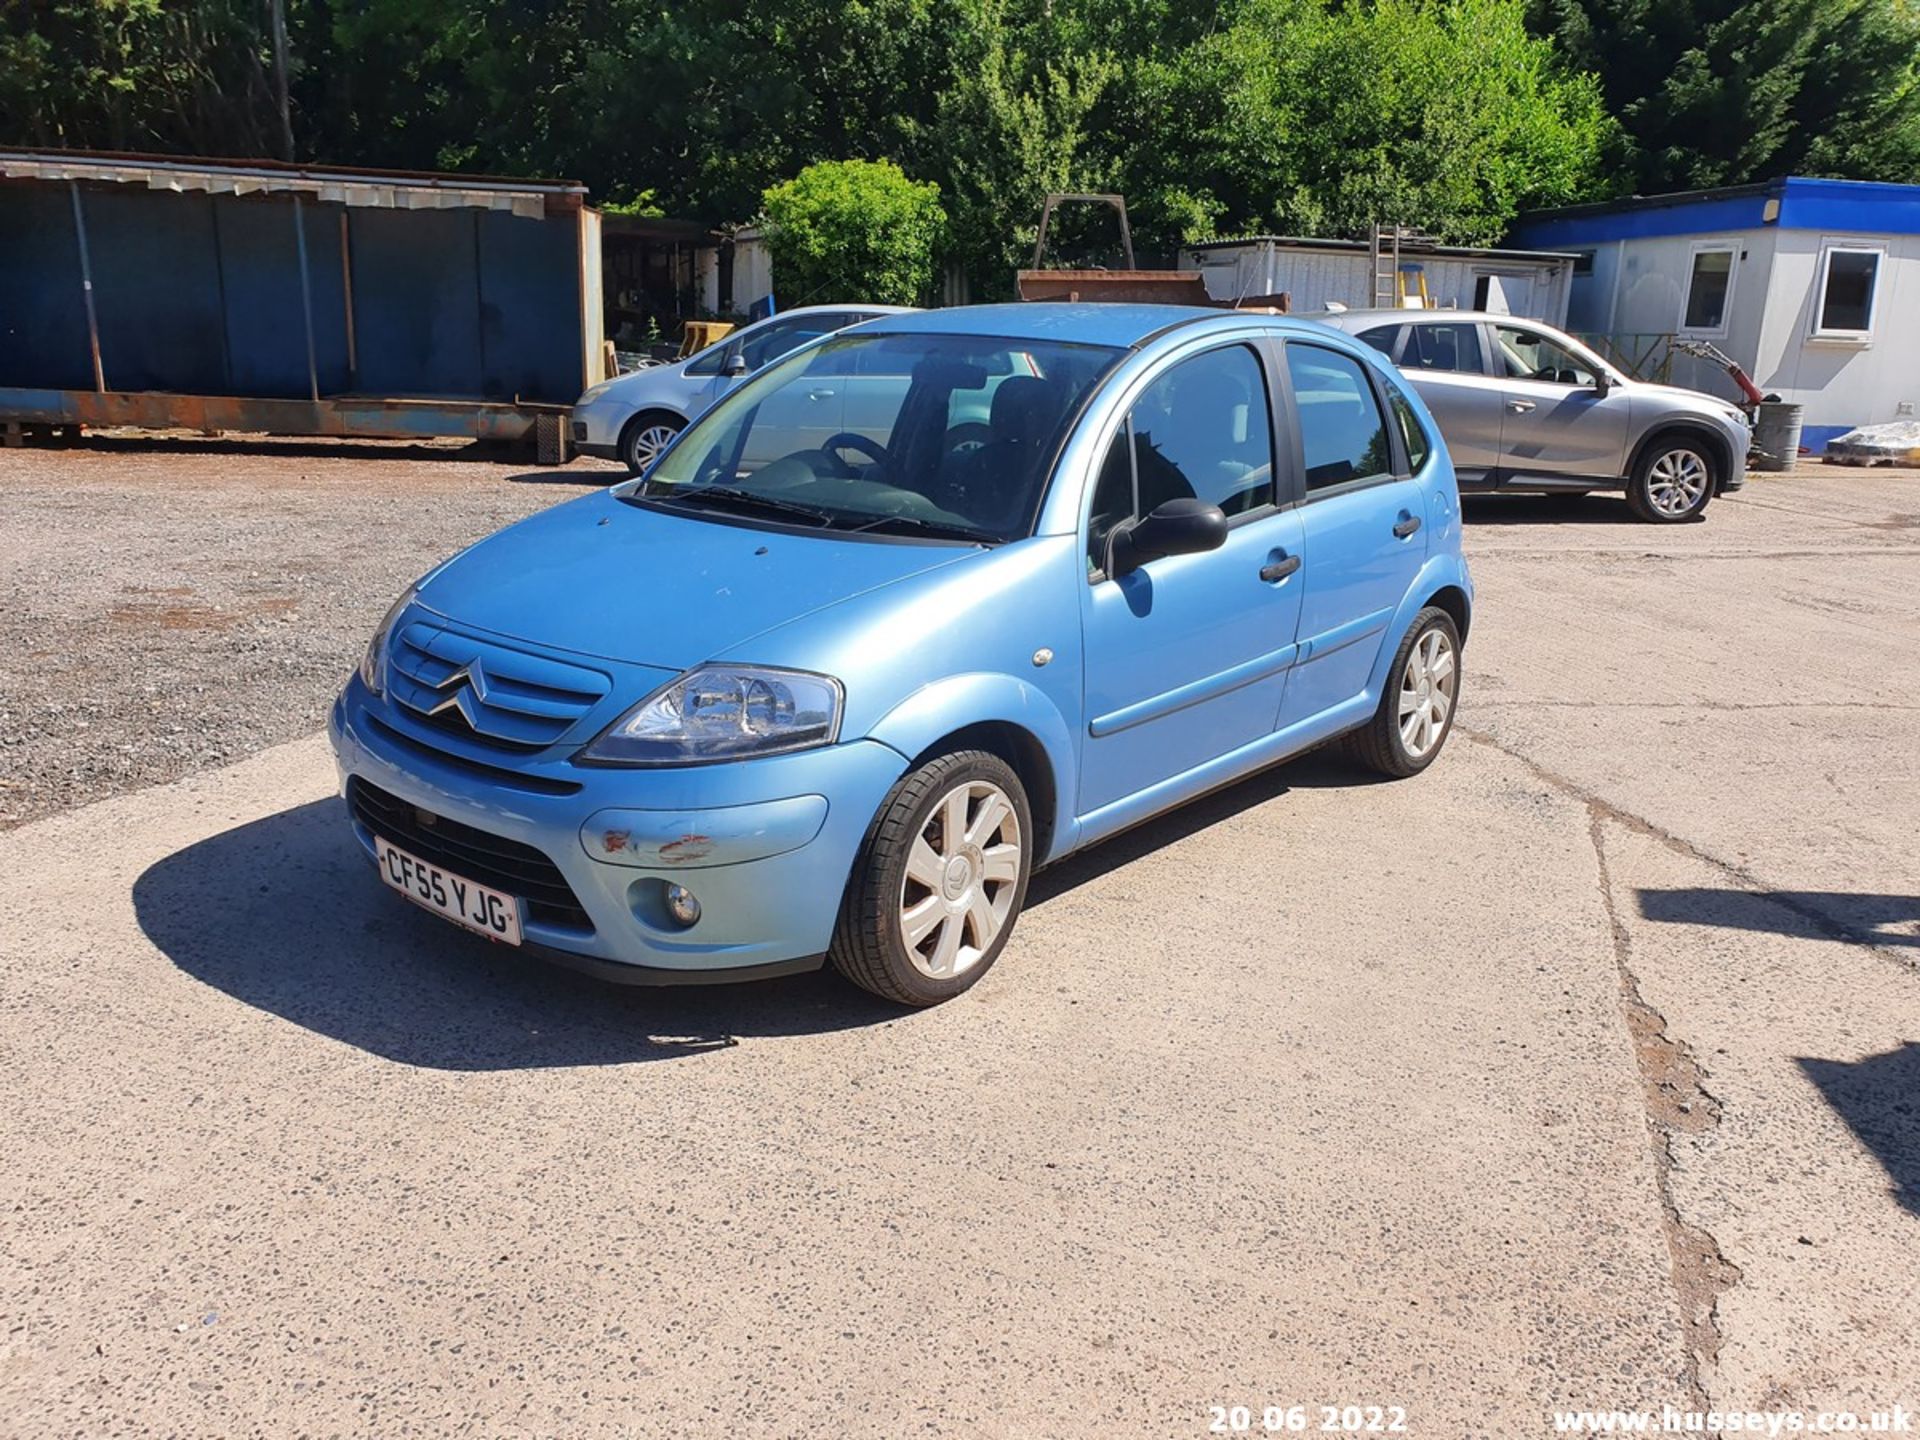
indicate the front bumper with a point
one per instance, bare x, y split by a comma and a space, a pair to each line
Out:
594, 425
765, 845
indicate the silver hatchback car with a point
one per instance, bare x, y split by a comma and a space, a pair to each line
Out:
1527, 409
633, 417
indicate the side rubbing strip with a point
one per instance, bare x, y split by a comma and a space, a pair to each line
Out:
1193, 693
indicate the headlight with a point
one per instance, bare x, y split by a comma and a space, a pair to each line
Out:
723, 712
373, 665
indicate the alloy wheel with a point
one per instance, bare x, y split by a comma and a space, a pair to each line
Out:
1426, 692
1677, 482
648, 443
962, 874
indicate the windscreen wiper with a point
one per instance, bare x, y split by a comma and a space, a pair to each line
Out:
950, 529
732, 497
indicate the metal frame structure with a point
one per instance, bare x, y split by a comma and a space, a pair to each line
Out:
323, 410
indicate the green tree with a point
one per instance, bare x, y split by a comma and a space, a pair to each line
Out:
1312, 118
191, 75
1013, 124
846, 230
1715, 92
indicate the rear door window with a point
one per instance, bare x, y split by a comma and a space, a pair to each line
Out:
1343, 435
1452, 347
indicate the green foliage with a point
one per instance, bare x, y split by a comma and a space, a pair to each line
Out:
1211, 116
1318, 120
845, 230
1014, 124
1714, 92
137, 75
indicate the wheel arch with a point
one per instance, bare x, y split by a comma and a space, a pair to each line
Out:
648, 412
1682, 428
1023, 751
1005, 717
1442, 581
1453, 600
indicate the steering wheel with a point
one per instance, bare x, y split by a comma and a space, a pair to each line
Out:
968, 436
848, 440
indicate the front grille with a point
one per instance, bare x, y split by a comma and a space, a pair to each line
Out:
527, 780
493, 860
508, 700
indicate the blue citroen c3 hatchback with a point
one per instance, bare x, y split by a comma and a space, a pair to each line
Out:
922, 607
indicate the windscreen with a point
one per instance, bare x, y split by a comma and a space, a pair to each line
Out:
942, 435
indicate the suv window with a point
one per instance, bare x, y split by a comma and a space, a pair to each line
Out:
1342, 432
1452, 347
1202, 430
1529, 355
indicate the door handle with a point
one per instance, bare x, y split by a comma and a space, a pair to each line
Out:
1520, 407
820, 394
1278, 569
1407, 525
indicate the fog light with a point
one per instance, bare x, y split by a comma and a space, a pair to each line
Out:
682, 905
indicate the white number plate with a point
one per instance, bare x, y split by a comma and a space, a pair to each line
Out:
465, 902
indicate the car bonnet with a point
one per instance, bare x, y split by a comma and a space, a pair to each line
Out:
624, 581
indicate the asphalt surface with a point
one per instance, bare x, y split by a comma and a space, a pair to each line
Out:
1579, 1072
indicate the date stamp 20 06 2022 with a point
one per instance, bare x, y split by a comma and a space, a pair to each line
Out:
1307, 1419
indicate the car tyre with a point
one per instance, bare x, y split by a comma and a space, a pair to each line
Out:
940, 879
1418, 702
1673, 481
645, 436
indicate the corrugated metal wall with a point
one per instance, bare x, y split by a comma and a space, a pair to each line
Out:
1315, 278
201, 294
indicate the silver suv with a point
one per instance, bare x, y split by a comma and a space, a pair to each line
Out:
1525, 408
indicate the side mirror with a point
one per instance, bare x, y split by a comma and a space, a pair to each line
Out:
1186, 526
1602, 384
736, 365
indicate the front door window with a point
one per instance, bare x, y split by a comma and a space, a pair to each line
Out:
1529, 355
1202, 431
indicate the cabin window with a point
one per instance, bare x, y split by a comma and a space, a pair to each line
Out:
1709, 290
1848, 282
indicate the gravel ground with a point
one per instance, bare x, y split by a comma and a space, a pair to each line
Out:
170, 605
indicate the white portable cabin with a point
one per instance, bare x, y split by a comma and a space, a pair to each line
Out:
1813, 286
1315, 274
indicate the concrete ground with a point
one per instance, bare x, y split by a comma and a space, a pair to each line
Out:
1579, 1072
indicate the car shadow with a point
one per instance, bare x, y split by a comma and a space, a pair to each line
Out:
1319, 770
581, 470
485, 452
284, 914
1877, 1098
1861, 918
1601, 509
